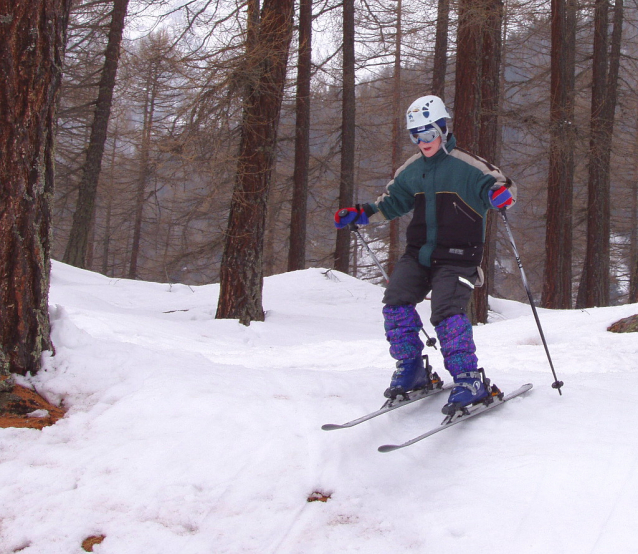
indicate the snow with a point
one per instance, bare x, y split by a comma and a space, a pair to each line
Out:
190, 435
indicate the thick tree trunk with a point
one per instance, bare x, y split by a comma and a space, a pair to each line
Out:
32, 38
633, 247
596, 278
467, 98
491, 46
346, 186
633, 288
633, 257
241, 284
467, 95
76, 249
297, 251
557, 282
596, 267
476, 103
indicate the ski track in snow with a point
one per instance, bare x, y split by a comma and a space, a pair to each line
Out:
185, 434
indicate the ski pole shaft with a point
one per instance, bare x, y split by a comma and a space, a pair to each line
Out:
376, 260
556, 384
355, 229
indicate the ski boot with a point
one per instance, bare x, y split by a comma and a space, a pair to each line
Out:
410, 375
470, 388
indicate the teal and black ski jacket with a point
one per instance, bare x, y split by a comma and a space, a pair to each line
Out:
449, 196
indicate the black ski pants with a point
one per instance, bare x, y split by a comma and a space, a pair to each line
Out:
451, 287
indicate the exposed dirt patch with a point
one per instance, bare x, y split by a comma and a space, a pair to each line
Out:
90, 542
626, 325
22, 407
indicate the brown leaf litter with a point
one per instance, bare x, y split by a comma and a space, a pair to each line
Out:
23, 407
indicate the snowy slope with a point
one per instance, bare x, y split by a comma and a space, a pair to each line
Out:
187, 435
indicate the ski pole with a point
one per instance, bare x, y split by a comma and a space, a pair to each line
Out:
556, 384
355, 229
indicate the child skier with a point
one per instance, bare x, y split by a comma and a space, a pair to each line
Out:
449, 191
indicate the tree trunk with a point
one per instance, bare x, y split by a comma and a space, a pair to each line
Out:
633, 257
596, 265
346, 184
476, 104
467, 95
76, 249
397, 138
633, 252
633, 289
596, 278
106, 240
491, 45
90, 247
240, 295
557, 282
270, 230
32, 39
440, 49
467, 98
144, 168
297, 251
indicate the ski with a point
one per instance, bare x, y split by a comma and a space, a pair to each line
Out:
391, 405
458, 417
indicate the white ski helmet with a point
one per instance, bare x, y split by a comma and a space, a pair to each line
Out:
425, 111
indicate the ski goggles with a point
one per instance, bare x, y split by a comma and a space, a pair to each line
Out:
428, 135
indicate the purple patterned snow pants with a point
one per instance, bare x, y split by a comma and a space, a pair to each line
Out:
457, 344
402, 325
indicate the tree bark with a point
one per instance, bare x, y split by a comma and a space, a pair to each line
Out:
297, 251
633, 258
633, 247
467, 98
596, 278
241, 283
557, 282
144, 167
76, 249
32, 39
476, 104
346, 183
106, 241
397, 136
440, 49
491, 45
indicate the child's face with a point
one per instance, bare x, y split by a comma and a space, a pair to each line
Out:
430, 148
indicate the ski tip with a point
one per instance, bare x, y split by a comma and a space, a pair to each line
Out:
330, 426
388, 448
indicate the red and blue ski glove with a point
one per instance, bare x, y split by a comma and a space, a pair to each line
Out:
501, 198
345, 216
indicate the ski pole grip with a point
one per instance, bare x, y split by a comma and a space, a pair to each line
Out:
352, 226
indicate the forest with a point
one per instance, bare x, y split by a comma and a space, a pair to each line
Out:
206, 141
